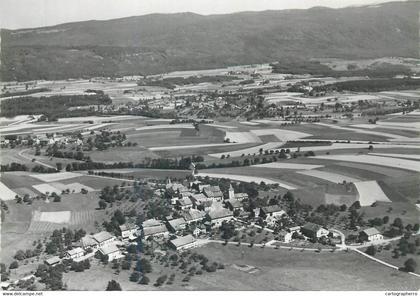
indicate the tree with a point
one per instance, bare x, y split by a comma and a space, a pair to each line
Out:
59, 166
160, 280
14, 265
144, 280
102, 204
410, 265
371, 250
398, 223
113, 286
135, 276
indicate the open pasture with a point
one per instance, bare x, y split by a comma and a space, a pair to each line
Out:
403, 164
6, 193
334, 271
73, 187
252, 150
242, 137
55, 176
46, 188
165, 127
402, 188
408, 156
370, 192
377, 169
282, 134
121, 154
289, 166
329, 176
329, 133
244, 178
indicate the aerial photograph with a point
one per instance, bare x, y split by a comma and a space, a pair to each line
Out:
210, 145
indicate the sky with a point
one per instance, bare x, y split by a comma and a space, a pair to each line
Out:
16, 14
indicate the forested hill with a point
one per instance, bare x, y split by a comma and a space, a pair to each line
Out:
159, 43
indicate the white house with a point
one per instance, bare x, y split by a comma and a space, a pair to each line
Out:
159, 231
112, 251
75, 253
371, 234
128, 231
184, 242
103, 238
313, 230
177, 224
219, 214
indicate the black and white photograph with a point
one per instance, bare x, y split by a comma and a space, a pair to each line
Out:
210, 146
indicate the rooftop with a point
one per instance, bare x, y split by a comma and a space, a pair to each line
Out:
109, 249
371, 231
102, 236
75, 251
151, 222
154, 230
183, 240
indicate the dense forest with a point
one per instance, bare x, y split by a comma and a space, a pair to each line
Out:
51, 107
301, 67
24, 92
172, 82
371, 85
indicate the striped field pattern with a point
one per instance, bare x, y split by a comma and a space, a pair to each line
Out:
76, 218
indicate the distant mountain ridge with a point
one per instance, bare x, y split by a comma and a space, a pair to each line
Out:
158, 43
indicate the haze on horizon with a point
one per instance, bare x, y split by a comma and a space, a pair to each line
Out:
18, 14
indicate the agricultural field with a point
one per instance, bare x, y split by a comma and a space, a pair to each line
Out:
335, 271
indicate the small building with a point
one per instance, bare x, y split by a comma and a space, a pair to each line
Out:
128, 231
5, 286
234, 204
313, 230
103, 238
159, 231
184, 203
52, 261
193, 215
75, 253
112, 251
273, 211
151, 222
213, 192
370, 235
88, 242
294, 229
177, 224
183, 242
219, 215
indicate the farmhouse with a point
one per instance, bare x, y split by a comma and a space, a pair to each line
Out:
313, 230
112, 251
273, 211
155, 231
200, 200
88, 242
193, 215
219, 214
53, 261
75, 253
234, 204
370, 235
151, 222
177, 224
128, 231
103, 238
183, 242
213, 192
184, 204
